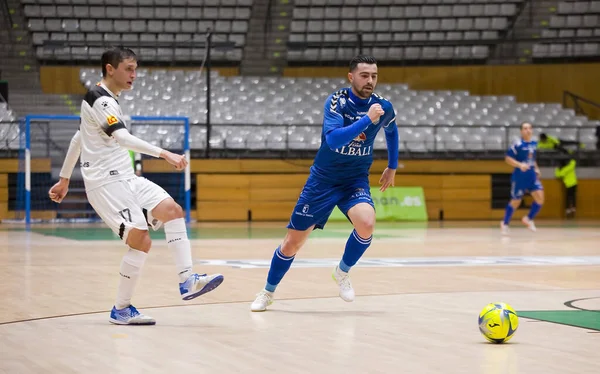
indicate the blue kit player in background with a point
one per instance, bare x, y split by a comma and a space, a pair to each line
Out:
340, 176
525, 178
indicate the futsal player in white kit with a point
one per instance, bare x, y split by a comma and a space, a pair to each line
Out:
121, 198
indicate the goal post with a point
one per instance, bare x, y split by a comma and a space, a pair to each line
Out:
179, 141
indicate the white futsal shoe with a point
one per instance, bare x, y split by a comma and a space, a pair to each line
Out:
199, 284
263, 299
529, 223
503, 228
343, 281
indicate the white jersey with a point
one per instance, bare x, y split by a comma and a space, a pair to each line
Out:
103, 160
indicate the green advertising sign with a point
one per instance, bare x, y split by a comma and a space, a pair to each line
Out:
395, 204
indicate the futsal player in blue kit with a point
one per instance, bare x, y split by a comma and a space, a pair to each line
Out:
525, 178
340, 176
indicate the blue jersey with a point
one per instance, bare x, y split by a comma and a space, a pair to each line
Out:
524, 152
348, 155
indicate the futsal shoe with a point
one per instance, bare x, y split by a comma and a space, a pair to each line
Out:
529, 223
503, 228
129, 316
263, 299
343, 281
199, 284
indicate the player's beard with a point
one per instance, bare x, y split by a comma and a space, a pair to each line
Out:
364, 93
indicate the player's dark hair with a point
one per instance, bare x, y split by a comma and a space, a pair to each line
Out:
543, 136
362, 59
525, 123
115, 56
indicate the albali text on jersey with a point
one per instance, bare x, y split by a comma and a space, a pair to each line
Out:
103, 159
348, 135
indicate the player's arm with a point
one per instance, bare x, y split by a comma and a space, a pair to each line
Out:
106, 113
537, 169
391, 137
392, 140
58, 192
336, 134
511, 159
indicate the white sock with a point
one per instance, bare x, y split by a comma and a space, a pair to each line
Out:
178, 243
131, 266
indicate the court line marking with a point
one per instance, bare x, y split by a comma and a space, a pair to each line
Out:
282, 299
406, 262
570, 304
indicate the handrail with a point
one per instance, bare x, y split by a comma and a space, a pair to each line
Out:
576, 99
6, 11
268, 27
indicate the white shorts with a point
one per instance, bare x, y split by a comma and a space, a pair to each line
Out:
121, 204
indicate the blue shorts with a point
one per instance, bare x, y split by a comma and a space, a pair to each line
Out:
317, 200
520, 186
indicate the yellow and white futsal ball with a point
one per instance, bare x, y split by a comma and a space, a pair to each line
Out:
498, 322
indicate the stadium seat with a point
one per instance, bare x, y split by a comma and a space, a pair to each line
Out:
126, 24
296, 103
424, 23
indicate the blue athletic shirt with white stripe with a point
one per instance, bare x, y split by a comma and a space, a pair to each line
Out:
348, 135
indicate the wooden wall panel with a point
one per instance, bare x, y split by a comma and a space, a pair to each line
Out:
223, 194
38, 165
278, 181
3, 193
222, 211
275, 194
272, 211
3, 209
588, 199
406, 168
222, 180
466, 194
465, 181
466, 209
272, 196
554, 199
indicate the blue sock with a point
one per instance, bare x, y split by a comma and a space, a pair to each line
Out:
508, 214
280, 264
355, 248
535, 209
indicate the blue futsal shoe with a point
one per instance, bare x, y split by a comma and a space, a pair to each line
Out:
129, 316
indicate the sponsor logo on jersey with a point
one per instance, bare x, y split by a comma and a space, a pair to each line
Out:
361, 138
111, 120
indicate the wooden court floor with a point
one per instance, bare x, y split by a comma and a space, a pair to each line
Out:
419, 288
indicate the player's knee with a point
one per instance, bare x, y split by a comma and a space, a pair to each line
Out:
140, 240
365, 227
174, 211
290, 246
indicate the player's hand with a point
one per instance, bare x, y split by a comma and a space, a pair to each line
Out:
375, 111
58, 192
524, 167
538, 172
387, 179
179, 161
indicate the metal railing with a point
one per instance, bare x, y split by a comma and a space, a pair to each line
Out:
576, 100
440, 141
